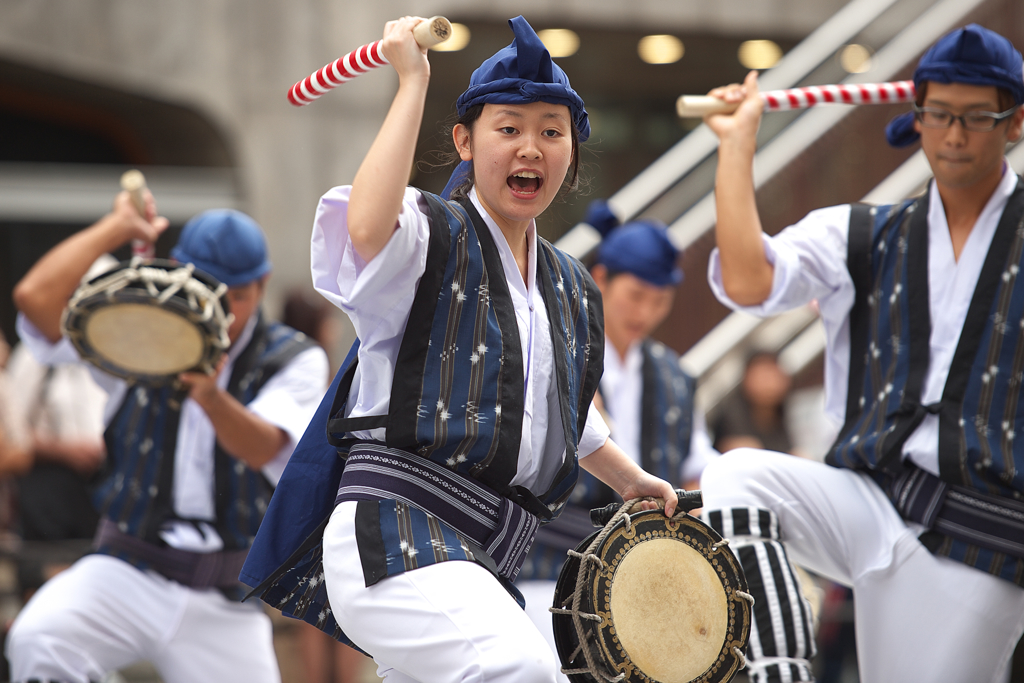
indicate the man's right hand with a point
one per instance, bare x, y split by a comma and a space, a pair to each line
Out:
126, 217
740, 125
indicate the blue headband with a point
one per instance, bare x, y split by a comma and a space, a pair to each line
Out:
972, 55
226, 244
641, 248
519, 74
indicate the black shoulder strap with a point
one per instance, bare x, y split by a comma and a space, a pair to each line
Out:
858, 262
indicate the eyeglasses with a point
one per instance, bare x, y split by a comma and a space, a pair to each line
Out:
976, 121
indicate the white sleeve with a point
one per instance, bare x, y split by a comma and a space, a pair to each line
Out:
63, 351
809, 260
368, 291
288, 401
701, 450
595, 432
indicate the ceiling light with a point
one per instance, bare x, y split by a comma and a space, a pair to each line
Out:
855, 59
459, 40
560, 42
660, 49
759, 54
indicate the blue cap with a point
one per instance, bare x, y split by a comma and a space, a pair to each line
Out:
642, 248
973, 55
226, 244
521, 73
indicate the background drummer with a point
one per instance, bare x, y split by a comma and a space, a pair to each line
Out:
646, 397
230, 445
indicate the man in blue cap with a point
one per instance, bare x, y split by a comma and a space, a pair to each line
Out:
469, 413
189, 473
647, 398
919, 505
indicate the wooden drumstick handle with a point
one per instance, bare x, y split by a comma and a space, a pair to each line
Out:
696, 106
432, 31
134, 183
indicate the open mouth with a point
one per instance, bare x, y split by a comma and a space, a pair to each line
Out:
525, 183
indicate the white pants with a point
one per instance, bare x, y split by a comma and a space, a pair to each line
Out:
450, 621
918, 617
539, 597
103, 614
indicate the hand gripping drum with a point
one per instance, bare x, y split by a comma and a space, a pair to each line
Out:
651, 599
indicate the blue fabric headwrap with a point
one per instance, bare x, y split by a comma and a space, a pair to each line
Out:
972, 55
519, 74
226, 244
641, 248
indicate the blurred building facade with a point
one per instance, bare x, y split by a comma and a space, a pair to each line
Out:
194, 93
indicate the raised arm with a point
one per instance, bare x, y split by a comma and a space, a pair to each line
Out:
746, 273
44, 291
379, 185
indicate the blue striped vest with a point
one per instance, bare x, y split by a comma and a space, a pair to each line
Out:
457, 399
457, 394
136, 486
980, 414
666, 415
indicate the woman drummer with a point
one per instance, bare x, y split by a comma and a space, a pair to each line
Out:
481, 348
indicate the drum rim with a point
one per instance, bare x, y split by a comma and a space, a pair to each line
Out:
567, 640
80, 309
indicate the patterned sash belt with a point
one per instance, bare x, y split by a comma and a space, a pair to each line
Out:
503, 529
195, 570
991, 522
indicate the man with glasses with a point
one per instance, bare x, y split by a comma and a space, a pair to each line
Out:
919, 507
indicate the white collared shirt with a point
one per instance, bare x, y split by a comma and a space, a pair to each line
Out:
810, 263
377, 296
287, 400
622, 391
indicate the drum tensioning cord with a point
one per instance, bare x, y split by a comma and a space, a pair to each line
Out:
590, 556
174, 280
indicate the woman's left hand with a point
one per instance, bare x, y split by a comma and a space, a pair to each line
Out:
648, 485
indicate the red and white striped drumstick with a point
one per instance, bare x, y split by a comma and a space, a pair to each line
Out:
800, 98
428, 33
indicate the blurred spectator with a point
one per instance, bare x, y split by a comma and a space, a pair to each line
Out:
62, 407
754, 416
15, 457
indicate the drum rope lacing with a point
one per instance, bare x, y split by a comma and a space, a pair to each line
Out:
179, 279
589, 556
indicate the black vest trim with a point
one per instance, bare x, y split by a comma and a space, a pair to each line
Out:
412, 354
911, 412
858, 262
970, 337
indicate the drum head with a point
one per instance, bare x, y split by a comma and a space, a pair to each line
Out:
145, 340
668, 600
669, 610
149, 321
